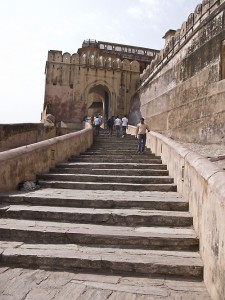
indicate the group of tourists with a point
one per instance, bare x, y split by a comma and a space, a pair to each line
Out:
119, 124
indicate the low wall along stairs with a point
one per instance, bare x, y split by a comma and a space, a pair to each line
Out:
106, 211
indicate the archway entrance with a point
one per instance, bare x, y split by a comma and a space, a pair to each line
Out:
98, 102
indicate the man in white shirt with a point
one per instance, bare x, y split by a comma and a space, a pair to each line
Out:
117, 123
124, 125
97, 123
141, 135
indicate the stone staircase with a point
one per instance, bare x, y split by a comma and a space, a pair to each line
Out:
107, 211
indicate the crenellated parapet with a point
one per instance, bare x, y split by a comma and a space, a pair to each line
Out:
176, 39
92, 61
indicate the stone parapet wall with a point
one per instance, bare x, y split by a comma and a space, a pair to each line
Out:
202, 184
205, 11
17, 135
182, 91
24, 163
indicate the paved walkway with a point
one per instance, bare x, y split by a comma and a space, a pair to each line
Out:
26, 284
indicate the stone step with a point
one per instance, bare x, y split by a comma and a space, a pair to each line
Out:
107, 178
110, 260
114, 151
105, 135
111, 142
118, 154
124, 172
161, 238
98, 199
106, 138
102, 165
117, 217
116, 141
136, 159
108, 186
127, 147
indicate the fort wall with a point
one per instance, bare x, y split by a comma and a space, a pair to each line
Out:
24, 163
202, 184
71, 81
182, 91
17, 135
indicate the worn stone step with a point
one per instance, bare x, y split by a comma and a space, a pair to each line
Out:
107, 186
178, 239
114, 151
119, 148
127, 147
118, 154
102, 165
118, 217
98, 199
124, 172
106, 178
111, 260
108, 139
113, 137
136, 159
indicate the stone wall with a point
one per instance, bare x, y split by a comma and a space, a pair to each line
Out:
182, 91
74, 82
24, 163
17, 135
202, 184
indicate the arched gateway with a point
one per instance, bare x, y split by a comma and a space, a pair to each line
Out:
100, 78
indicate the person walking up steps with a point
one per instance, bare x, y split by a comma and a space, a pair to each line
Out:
141, 135
118, 123
124, 125
110, 124
97, 123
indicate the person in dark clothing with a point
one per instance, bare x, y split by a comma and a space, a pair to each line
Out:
110, 124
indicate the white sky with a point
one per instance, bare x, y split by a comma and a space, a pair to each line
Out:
28, 29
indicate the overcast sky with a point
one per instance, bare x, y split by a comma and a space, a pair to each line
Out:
28, 29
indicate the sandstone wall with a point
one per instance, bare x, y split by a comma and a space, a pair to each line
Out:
74, 82
202, 184
17, 135
24, 163
182, 92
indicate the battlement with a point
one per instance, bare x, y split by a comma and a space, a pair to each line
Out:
175, 40
87, 60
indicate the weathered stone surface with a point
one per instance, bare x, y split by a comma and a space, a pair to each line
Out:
106, 178
184, 264
66, 229
39, 284
86, 198
184, 98
108, 186
125, 217
131, 237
